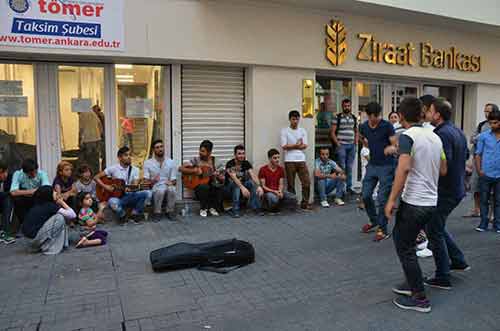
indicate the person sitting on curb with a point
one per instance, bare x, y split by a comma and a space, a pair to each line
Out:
328, 177
272, 177
242, 181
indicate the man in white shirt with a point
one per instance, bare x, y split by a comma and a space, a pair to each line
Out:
421, 161
125, 171
162, 172
294, 142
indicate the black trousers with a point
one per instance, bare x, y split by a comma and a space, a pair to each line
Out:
6, 208
210, 196
21, 207
410, 220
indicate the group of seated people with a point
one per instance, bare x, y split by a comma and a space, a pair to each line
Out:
42, 208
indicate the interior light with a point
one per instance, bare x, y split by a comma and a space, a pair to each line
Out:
125, 80
124, 66
124, 76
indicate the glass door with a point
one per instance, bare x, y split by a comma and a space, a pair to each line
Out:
140, 102
17, 114
81, 116
365, 92
329, 95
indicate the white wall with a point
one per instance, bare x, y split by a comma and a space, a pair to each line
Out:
476, 97
481, 11
272, 94
276, 35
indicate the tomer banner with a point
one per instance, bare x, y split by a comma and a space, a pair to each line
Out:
76, 24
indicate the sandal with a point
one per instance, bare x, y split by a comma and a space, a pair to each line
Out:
471, 214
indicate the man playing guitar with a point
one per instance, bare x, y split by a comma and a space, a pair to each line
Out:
129, 174
209, 189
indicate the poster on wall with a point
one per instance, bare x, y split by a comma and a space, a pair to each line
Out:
81, 105
138, 107
13, 106
11, 87
75, 24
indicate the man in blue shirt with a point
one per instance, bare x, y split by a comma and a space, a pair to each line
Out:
24, 184
451, 191
488, 168
381, 139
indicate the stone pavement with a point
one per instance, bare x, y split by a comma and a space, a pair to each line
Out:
313, 271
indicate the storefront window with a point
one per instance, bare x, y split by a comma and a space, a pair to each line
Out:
399, 92
17, 114
81, 116
329, 95
450, 94
140, 112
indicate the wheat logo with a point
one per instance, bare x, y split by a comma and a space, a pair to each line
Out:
336, 43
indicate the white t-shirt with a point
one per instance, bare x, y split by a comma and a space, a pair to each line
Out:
428, 125
365, 156
119, 172
290, 136
426, 149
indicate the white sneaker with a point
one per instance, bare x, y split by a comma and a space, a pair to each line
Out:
203, 213
213, 212
424, 253
422, 245
325, 204
339, 202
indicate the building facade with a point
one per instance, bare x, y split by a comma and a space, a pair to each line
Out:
228, 71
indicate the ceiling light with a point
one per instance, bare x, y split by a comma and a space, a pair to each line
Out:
124, 66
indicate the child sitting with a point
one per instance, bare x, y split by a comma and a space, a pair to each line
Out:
87, 184
88, 223
63, 183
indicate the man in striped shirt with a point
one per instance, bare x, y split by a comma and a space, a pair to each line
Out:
344, 135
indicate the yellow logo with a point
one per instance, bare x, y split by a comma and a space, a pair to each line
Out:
336, 42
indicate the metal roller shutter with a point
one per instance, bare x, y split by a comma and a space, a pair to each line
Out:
213, 107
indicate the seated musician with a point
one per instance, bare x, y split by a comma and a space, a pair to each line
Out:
162, 173
129, 175
209, 194
241, 180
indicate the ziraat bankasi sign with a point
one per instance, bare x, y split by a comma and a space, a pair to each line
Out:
422, 54
77, 24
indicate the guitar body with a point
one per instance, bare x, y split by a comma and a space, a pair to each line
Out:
192, 181
104, 195
119, 188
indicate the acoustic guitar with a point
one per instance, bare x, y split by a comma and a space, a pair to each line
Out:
193, 180
119, 188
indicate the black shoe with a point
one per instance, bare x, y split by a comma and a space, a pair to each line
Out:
235, 214
402, 289
412, 303
259, 212
138, 218
155, 218
460, 267
437, 283
171, 217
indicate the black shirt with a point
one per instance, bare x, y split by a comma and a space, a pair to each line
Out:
241, 171
378, 140
37, 216
5, 185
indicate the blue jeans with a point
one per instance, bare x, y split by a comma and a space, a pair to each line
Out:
345, 154
384, 176
235, 192
326, 186
486, 185
441, 243
134, 200
273, 201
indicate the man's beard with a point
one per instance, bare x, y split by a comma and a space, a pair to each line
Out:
160, 155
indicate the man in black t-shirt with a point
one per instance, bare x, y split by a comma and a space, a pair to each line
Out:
242, 180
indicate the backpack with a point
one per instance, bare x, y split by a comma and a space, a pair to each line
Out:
220, 256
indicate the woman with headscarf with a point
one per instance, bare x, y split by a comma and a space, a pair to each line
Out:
45, 223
